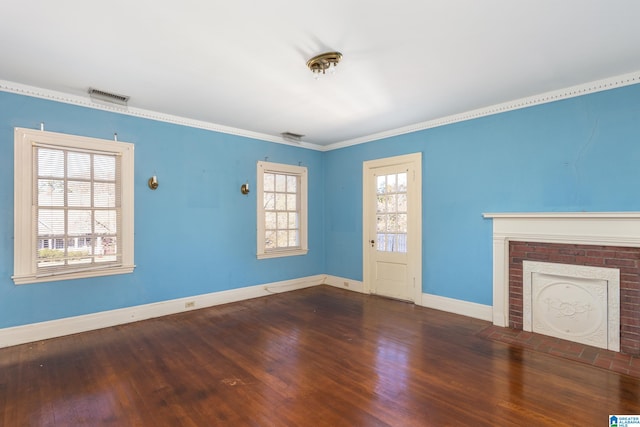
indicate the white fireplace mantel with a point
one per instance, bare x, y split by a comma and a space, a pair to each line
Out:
584, 228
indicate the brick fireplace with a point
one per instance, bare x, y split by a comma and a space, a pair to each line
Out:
624, 258
609, 240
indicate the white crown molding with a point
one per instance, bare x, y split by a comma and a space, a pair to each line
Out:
35, 92
544, 98
557, 95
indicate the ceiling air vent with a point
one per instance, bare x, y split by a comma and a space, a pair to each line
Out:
101, 95
292, 137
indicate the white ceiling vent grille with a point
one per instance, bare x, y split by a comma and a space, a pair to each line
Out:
292, 137
101, 95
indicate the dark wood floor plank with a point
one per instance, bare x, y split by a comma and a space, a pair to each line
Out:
319, 357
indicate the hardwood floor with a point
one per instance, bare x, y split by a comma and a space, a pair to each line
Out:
316, 357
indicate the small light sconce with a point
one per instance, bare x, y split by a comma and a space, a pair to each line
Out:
153, 182
244, 188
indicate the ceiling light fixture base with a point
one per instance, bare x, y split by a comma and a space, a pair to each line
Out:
324, 62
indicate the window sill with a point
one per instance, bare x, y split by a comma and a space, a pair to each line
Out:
32, 278
280, 254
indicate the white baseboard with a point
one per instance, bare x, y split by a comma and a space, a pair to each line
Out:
465, 308
73, 325
341, 282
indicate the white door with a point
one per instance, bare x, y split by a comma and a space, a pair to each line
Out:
392, 231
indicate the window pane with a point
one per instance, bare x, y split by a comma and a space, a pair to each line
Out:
270, 240
402, 182
292, 184
381, 204
104, 168
281, 202
283, 239
51, 163
391, 203
392, 222
380, 243
79, 222
104, 195
402, 202
293, 220
269, 201
50, 192
270, 220
283, 220
78, 165
50, 222
106, 222
79, 194
381, 223
106, 246
391, 184
381, 184
48, 257
281, 183
292, 202
293, 238
402, 223
269, 182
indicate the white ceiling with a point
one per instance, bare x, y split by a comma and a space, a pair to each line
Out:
242, 64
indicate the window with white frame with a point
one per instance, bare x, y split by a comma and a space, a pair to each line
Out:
73, 207
282, 210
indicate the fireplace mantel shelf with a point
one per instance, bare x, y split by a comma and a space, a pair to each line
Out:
576, 215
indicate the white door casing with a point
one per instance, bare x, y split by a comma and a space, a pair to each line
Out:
392, 227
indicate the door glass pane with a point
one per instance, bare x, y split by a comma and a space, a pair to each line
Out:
391, 218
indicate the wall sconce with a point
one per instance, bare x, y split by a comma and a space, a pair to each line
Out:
153, 182
244, 188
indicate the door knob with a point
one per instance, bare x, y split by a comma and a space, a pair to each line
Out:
373, 243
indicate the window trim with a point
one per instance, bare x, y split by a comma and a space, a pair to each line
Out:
25, 231
279, 168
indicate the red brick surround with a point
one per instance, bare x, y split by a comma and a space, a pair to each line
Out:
626, 259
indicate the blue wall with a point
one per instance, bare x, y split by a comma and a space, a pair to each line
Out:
579, 154
196, 234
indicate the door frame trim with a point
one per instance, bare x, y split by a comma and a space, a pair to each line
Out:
414, 237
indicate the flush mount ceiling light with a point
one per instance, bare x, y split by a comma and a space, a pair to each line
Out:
324, 62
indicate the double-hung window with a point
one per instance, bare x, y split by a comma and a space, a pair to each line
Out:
282, 210
73, 207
